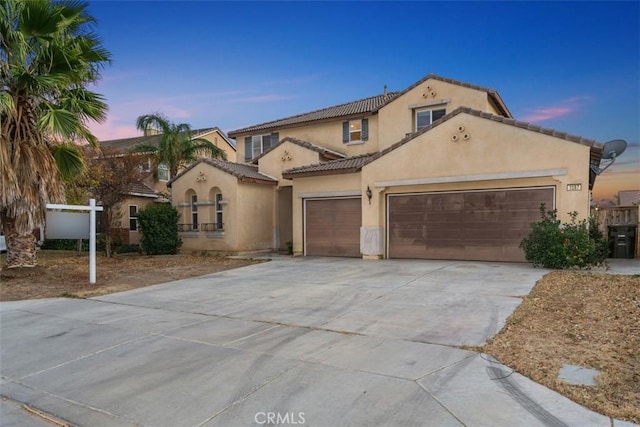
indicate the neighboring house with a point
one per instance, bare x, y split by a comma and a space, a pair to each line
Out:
154, 188
629, 198
124, 223
214, 134
439, 170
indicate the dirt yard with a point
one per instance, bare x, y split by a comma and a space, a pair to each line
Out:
586, 319
66, 274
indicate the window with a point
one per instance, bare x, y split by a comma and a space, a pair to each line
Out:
133, 218
424, 118
219, 224
163, 172
355, 131
145, 166
194, 211
258, 144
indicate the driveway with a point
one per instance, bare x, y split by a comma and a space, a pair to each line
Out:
302, 341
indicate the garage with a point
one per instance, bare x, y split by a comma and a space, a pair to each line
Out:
332, 227
473, 225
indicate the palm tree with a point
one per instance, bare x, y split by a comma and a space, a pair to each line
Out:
175, 147
48, 54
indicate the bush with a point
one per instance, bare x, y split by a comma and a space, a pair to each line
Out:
554, 245
159, 227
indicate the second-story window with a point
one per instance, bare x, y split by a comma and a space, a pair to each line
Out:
258, 144
163, 172
355, 131
424, 118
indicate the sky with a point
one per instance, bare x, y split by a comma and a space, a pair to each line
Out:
570, 66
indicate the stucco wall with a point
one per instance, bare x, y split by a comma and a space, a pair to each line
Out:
397, 118
314, 187
255, 221
218, 140
202, 185
327, 135
120, 216
286, 156
494, 156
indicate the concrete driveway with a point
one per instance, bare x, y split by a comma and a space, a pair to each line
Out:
303, 341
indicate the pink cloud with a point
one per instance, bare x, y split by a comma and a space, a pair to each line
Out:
110, 129
563, 108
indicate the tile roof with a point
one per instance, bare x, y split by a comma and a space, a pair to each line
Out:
596, 148
347, 165
126, 143
141, 189
355, 164
325, 152
361, 106
366, 105
493, 94
244, 172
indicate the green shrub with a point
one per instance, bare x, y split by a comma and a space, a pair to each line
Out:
159, 228
64, 244
552, 244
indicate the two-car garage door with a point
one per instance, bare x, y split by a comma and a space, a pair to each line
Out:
478, 225
466, 225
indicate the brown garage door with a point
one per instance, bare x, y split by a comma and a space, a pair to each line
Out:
479, 225
332, 227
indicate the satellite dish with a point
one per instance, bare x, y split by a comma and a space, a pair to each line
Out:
611, 151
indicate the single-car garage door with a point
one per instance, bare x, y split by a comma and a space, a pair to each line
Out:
476, 225
332, 227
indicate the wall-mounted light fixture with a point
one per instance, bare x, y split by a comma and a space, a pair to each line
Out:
369, 194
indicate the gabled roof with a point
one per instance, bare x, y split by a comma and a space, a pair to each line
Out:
354, 108
364, 106
142, 190
244, 172
347, 165
355, 164
494, 97
324, 152
126, 143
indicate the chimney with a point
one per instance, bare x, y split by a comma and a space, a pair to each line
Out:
385, 90
150, 131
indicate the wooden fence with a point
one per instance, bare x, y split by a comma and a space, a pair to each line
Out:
618, 215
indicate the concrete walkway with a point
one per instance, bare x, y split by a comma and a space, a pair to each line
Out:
303, 341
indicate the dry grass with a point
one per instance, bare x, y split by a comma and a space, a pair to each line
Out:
62, 273
590, 320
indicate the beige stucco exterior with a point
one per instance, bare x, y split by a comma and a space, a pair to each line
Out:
398, 117
247, 211
222, 142
495, 156
120, 218
472, 148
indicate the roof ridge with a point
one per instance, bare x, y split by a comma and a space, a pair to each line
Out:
272, 123
489, 116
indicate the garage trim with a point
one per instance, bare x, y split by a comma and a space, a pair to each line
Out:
477, 190
469, 178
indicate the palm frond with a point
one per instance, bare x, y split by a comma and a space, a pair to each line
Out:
69, 159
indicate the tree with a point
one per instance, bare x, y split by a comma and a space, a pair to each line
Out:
175, 148
110, 178
48, 54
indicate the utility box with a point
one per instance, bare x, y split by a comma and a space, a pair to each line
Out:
622, 239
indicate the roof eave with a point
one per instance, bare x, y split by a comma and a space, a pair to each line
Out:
292, 175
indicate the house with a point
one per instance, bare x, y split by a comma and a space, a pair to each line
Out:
154, 189
440, 170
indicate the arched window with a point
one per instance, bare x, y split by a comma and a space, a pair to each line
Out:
215, 197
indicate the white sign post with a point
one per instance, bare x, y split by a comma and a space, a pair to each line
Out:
62, 226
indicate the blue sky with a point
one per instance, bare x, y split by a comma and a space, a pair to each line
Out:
571, 66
